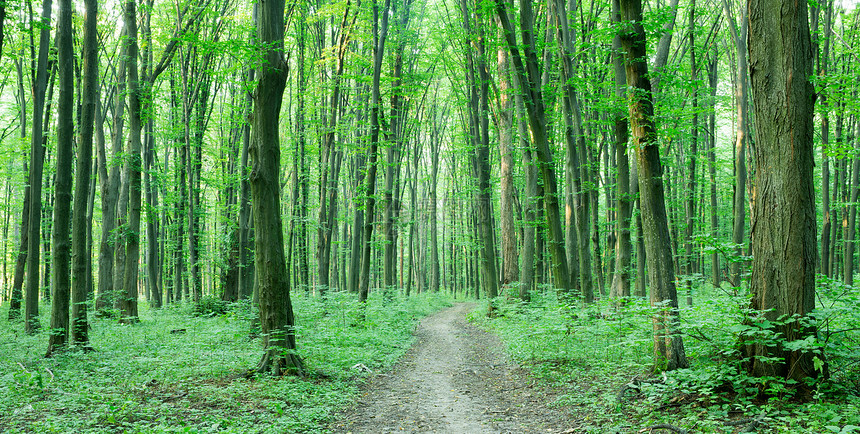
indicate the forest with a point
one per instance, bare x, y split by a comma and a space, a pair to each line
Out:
230, 216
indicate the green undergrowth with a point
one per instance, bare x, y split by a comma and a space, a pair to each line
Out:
599, 359
183, 369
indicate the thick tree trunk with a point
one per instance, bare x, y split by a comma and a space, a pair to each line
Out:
668, 345
60, 237
276, 313
783, 234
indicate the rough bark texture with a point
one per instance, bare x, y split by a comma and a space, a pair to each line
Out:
276, 312
668, 345
783, 228
510, 259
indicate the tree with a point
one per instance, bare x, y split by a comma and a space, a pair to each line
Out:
784, 216
273, 279
61, 278
31, 300
668, 345
80, 222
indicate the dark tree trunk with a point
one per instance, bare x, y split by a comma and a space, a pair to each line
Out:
37, 152
60, 237
276, 313
783, 234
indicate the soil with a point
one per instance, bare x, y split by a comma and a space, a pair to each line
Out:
455, 379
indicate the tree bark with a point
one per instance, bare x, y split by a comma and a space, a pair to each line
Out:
668, 345
276, 313
37, 152
620, 286
783, 228
60, 238
529, 76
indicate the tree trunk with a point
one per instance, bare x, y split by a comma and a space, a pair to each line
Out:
60, 237
380, 33
528, 75
741, 104
668, 345
31, 302
692, 151
621, 279
21, 258
276, 313
712, 165
783, 234
510, 259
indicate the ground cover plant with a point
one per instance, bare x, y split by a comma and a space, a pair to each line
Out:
183, 369
599, 356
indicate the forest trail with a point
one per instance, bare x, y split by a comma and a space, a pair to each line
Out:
455, 379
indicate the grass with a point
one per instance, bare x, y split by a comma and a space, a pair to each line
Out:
595, 354
144, 379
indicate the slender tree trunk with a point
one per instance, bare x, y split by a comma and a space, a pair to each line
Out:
621, 279
692, 151
529, 77
712, 166
742, 133
21, 258
510, 259
380, 33
668, 345
31, 302
61, 234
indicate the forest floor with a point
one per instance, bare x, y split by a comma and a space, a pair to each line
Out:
456, 378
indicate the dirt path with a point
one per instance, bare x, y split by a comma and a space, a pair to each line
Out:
455, 379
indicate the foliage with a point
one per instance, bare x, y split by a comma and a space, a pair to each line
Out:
149, 378
598, 356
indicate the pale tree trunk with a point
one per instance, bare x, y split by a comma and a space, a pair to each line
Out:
784, 220
621, 278
712, 165
438, 123
82, 221
510, 260
576, 164
21, 258
246, 262
273, 279
60, 237
668, 345
37, 152
527, 282
109, 185
741, 138
478, 118
528, 75
823, 70
331, 158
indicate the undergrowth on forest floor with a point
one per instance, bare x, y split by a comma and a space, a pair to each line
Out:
184, 371
600, 358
